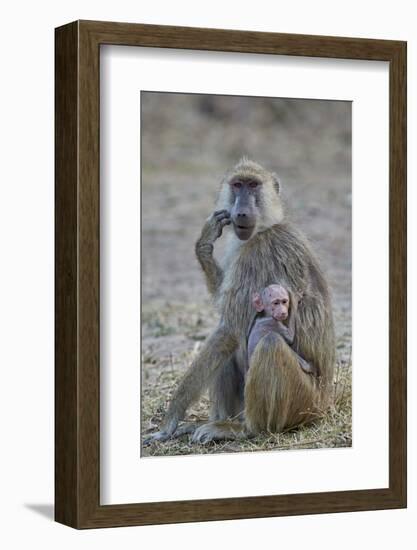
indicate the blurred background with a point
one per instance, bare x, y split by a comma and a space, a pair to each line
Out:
187, 143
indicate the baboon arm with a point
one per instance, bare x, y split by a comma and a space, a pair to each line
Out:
211, 269
264, 326
211, 231
216, 351
286, 332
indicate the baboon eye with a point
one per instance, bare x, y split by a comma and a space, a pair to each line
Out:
237, 184
253, 184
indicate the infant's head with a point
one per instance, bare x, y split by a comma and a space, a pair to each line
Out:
274, 300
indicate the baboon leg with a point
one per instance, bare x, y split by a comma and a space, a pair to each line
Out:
278, 393
226, 395
217, 351
226, 392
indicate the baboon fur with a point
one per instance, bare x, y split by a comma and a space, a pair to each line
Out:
272, 393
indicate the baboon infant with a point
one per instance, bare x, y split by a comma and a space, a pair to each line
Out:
274, 306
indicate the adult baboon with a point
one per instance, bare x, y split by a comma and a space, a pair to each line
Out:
262, 249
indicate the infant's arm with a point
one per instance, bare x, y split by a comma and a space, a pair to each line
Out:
262, 326
285, 332
307, 367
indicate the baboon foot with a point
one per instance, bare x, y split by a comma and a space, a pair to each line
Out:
188, 428
217, 431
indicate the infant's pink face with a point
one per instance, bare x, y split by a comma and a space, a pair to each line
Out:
276, 302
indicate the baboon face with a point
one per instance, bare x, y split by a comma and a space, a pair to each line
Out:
245, 195
274, 301
252, 196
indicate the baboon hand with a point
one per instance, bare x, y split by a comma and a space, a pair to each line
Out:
213, 227
166, 433
204, 434
187, 428
157, 436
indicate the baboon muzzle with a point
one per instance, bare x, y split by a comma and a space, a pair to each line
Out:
243, 216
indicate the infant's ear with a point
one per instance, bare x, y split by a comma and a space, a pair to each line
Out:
257, 302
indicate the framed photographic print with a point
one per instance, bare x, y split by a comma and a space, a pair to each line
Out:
230, 274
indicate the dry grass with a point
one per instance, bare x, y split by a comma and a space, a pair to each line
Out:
164, 367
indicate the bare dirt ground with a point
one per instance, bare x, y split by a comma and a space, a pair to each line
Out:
188, 142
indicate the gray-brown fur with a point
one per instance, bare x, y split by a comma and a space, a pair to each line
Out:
281, 254
277, 312
278, 396
275, 253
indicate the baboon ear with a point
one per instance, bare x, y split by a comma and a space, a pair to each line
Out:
257, 302
276, 182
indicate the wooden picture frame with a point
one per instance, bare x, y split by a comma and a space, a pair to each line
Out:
77, 373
